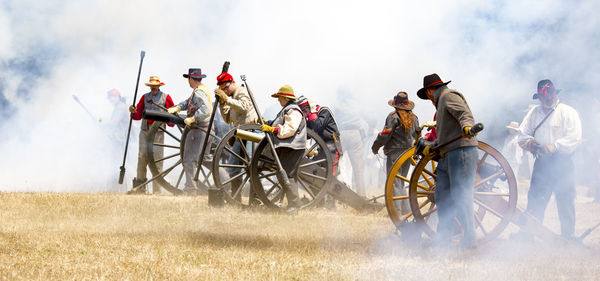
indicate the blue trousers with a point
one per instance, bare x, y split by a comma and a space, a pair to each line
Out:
554, 174
454, 192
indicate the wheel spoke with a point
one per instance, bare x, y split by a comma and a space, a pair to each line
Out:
232, 166
169, 133
234, 177
478, 221
165, 145
482, 160
262, 176
179, 178
490, 209
493, 176
165, 158
429, 173
307, 189
239, 189
312, 163
243, 147
483, 193
236, 155
313, 176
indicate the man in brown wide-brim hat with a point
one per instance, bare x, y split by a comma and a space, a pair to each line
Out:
458, 160
149, 101
398, 135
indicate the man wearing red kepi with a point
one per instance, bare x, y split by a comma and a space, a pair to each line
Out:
237, 109
457, 164
146, 102
551, 131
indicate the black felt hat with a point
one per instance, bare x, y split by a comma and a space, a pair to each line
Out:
545, 87
429, 81
194, 73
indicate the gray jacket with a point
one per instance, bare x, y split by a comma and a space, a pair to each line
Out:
238, 108
453, 115
198, 105
393, 137
298, 140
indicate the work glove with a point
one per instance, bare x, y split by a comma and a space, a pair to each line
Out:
428, 124
264, 121
268, 129
467, 132
222, 96
189, 121
548, 149
132, 109
174, 109
423, 147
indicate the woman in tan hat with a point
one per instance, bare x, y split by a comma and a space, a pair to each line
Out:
148, 101
398, 135
289, 131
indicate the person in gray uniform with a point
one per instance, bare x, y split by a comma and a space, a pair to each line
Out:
289, 131
398, 135
148, 101
198, 109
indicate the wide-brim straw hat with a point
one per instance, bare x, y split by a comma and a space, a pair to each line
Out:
154, 81
513, 125
285, 91
401, 101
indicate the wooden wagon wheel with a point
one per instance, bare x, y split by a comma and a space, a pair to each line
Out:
313, 177
171, 176
495, 194
231, 164
391, 199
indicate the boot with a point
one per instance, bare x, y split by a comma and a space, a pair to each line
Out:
139, 190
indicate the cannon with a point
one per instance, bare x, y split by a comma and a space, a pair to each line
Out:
495, 197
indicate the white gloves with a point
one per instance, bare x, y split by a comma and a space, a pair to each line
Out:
174, 109
189, 121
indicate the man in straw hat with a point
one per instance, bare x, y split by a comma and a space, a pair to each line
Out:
551, 131
398, 135
458, 161
198, 109
289, 131
148, 101
237, 109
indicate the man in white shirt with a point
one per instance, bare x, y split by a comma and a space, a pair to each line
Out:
289, 131
551, 132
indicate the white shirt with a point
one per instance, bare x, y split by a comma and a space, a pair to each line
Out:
290, 124
562, 128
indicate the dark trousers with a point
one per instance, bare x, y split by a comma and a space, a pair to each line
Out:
454, 192
290, 159
554, 174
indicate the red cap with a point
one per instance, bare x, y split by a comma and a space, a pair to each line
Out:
224, 78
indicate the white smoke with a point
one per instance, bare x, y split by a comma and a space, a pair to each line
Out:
493, 52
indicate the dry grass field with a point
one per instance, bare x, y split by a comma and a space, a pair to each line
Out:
47, 236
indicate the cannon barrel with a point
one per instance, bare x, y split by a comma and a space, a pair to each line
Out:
249, 136
162, 117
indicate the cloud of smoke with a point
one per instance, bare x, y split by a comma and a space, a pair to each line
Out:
494, 52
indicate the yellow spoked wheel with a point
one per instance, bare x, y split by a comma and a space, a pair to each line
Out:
495, 194
397, 203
